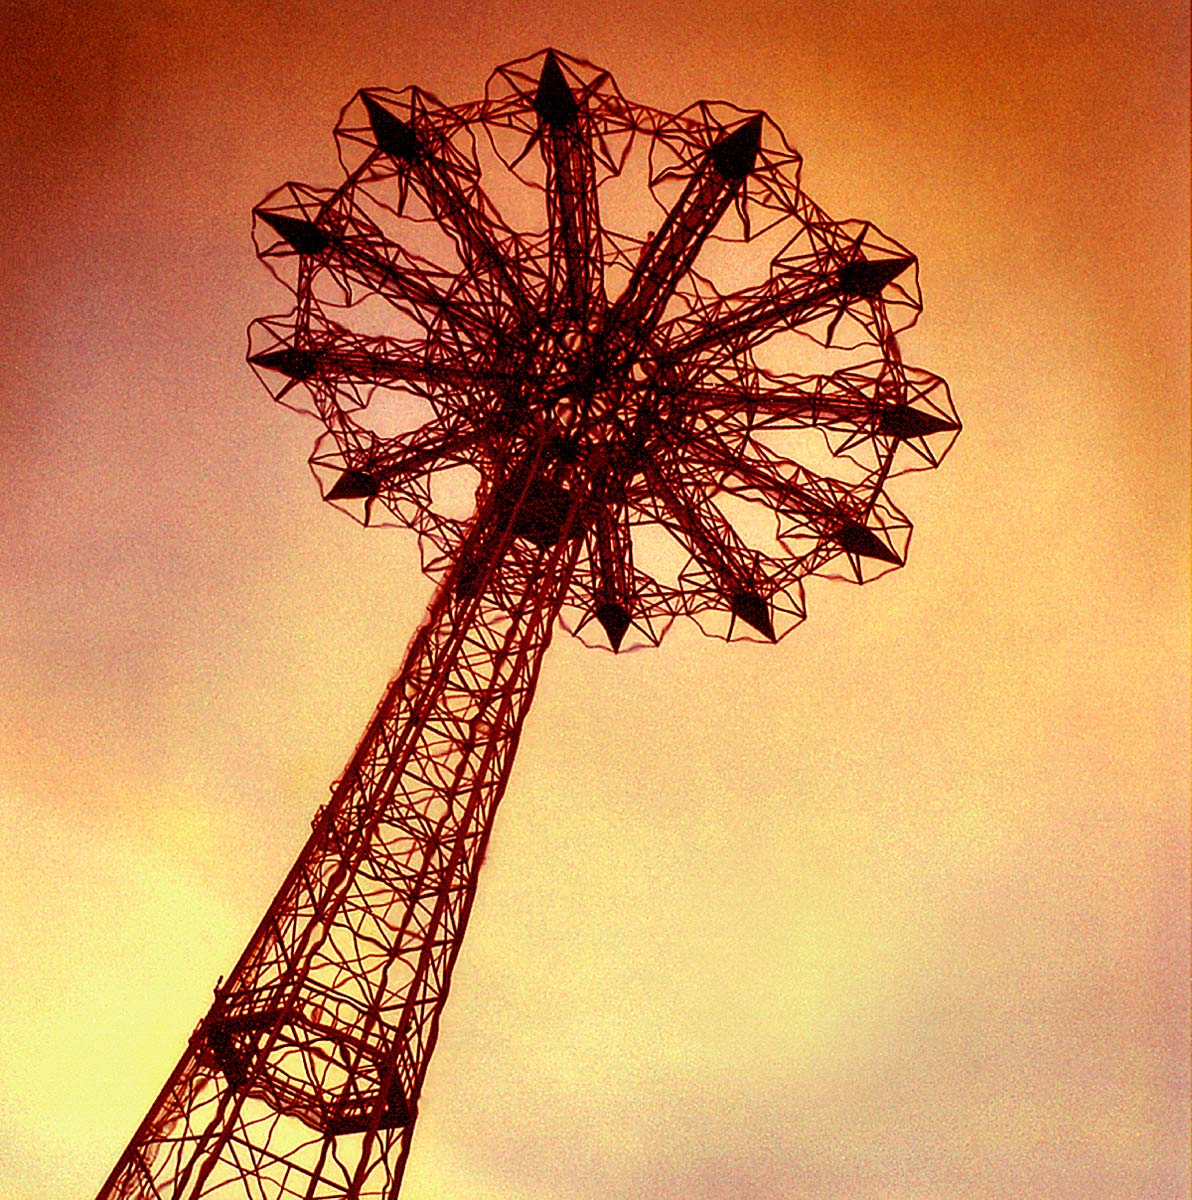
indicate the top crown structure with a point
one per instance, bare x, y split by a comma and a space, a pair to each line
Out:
489, 331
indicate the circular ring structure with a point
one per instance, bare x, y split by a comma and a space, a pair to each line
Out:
557, 293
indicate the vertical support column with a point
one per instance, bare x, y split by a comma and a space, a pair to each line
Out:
303, 1080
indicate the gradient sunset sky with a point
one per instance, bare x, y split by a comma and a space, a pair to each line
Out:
895, 910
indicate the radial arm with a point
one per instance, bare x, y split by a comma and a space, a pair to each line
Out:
462, 209
344, 355
349, 247
576, 281
742, 319
669, 254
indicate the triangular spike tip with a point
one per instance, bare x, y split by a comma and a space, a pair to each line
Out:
735, 154
614, 620
554, 101
354, 485
866, 277
755, 612
304, 236
391, 134
861, 540
297, 364
902, 421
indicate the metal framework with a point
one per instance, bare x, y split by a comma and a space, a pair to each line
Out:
579, 426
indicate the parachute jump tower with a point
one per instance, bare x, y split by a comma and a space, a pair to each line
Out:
585, 407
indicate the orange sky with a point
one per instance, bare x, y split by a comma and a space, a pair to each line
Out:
895, 910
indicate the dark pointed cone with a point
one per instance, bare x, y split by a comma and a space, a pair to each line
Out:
735, 155
902, 421
354, 485
861, 540
304, 236
554, 102
867, 276
614, 619
391, 134
755, 612
297, 364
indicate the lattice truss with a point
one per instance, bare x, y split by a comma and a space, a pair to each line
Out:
490, 287
514, 353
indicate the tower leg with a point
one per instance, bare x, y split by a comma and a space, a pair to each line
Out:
303, 1079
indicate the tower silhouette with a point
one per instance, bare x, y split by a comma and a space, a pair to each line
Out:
549, 408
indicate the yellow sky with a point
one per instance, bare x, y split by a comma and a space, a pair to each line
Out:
895, 910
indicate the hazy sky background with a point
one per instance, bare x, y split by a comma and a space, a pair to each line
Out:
896, 910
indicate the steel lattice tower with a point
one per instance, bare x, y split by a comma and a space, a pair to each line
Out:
546, 409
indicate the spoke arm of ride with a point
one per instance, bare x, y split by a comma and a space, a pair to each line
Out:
436, 444
347, 247
576, 276
690, 517
369, 473
410, 288
669, 254
898, 406
835, 511
347, 356
611, 561
467, 214
800, 493
742, 319
473, 220
799, 402
735, 576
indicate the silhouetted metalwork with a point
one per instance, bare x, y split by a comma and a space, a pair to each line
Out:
579, 425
